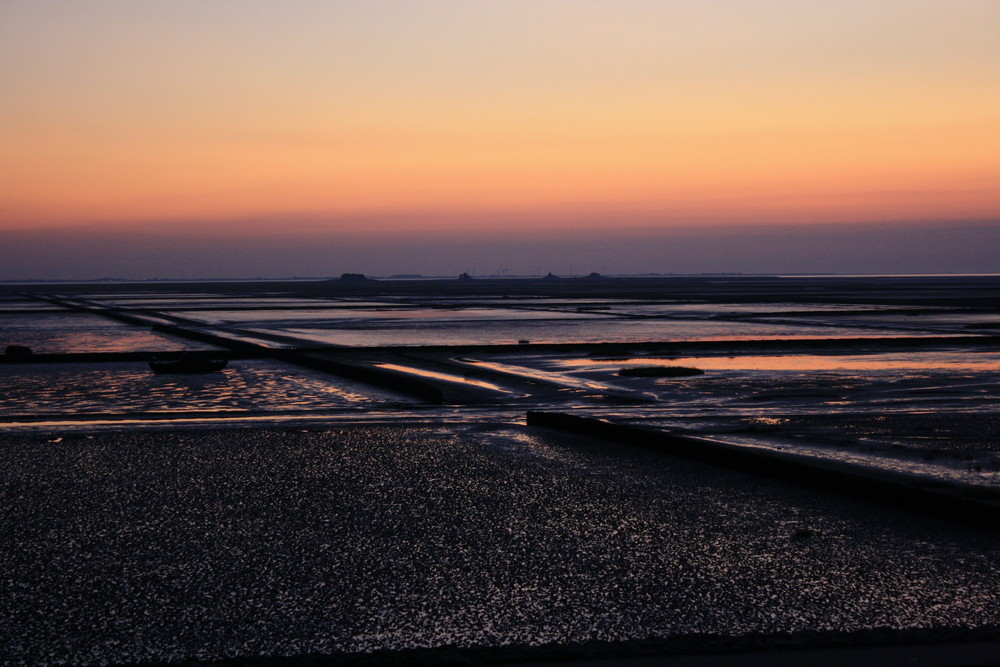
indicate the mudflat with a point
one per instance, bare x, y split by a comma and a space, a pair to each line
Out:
126, 546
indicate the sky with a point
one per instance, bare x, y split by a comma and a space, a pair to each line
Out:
184, 139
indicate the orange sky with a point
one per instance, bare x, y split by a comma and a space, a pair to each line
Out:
545, 113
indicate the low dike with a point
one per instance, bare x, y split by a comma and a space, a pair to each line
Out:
235, 348
970, 505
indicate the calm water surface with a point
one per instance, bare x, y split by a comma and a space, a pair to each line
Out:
244, 386
71, 332
753, 386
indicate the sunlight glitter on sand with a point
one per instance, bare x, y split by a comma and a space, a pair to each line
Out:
170, 545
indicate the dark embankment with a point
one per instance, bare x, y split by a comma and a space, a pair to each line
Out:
659, 372
384, 378
922, 647
937, 499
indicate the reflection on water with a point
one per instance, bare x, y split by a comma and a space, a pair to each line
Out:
587, 330
463, 321
69, 332
444, 376
132, 387
206, 301
352, 316
779, 387
733, 393
485, 320
941, 361
536, 374
937, 321
716, 310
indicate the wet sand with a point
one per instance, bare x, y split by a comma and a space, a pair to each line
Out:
123, 546
472, 538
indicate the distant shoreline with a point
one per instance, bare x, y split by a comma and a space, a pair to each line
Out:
489, 277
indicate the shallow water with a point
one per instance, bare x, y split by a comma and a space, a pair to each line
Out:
938, 360
563, 330
352, 316
70, 332
244, 386
753, 386
129, 540
957, 379
449, 377
887, 410
485, 320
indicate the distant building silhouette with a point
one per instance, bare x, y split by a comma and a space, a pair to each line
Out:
354, 277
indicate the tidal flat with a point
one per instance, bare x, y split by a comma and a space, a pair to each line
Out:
359, 480
173, 545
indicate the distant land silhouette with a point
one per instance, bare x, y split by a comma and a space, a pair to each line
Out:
857, 248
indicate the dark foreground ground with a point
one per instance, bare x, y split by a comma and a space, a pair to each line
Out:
422, 544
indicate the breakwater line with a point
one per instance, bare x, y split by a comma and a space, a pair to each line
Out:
943, 500
395, 381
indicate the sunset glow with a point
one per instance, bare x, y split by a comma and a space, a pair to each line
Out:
342, 118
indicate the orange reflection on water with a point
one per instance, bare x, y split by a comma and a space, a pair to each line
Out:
810, 362
536, 374
443, 376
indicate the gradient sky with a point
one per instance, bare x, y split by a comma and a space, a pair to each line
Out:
277, 129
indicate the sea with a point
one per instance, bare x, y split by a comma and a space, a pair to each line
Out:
887, 371
361, 483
